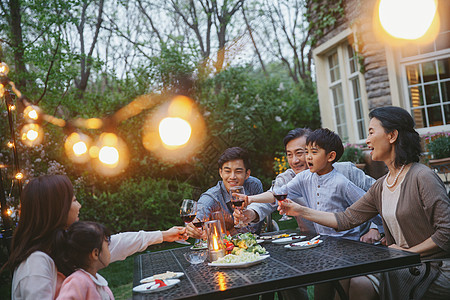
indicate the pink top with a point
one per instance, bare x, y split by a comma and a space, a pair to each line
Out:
82, 285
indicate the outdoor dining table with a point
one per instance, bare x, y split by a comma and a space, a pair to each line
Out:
333, 259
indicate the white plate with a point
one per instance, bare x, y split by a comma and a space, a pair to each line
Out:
182, 242
288, 240
275, 236
303, 245
240, 265
259, 241
144, 288
151, 279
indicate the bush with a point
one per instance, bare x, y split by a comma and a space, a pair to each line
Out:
147, 204
439, 146
354, 154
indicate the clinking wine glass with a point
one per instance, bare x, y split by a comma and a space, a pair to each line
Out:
280, 192
237, 202
188, 210
199, 221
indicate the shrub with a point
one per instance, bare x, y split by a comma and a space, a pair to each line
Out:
147, 204
353, 153
439, 146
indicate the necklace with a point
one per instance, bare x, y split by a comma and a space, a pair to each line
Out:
395, 179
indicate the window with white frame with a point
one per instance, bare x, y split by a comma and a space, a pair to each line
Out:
427, 70
345, 91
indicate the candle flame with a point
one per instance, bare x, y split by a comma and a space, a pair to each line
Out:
215, 243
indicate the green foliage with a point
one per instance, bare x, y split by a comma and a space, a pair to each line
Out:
354, 154
148, 204
439, 146
322, 16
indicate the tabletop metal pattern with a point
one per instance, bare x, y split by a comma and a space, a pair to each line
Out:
335, 258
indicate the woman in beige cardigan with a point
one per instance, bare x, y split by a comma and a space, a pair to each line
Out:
413, 203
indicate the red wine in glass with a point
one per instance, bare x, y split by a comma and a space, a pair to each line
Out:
237, 203
198, 224
280, 197
188, 218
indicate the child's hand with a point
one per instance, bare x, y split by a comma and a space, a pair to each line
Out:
175, 233
289, 208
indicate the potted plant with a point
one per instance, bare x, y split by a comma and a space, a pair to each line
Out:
439, 148
354, 154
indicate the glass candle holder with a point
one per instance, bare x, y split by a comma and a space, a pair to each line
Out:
216, 246
218, 215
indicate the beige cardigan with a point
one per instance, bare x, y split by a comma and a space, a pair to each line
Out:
423, 209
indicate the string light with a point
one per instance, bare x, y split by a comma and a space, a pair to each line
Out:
9, 212
18, 176
31, 134
174, 132
2, 90
76, 146
4, 69
12, 107
10, 144
109, 154
31, 112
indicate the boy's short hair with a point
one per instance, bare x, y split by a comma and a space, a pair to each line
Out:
234, 153
327, 140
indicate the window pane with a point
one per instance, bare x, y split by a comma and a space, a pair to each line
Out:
419, 117
358, 109
416, 96
444, 68
447, 114
435, 116
432, 93
412, 72
334, 67
361, 130
356, 90
352, 59
445, 90
337, 95
429, 71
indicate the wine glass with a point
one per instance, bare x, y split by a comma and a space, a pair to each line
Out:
198, 222
188, 210
237, 202
280, 192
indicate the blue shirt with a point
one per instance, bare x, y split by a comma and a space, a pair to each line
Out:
331, 192
217, 198
348, 169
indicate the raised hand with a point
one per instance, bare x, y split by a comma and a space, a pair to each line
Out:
289, 208
175, 233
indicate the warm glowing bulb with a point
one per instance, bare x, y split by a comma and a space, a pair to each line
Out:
9, 212
4, 69
12, 107
174, 131
407, 19
79, 148
108, 155
19, 176
10, 144
33, 114
32, 134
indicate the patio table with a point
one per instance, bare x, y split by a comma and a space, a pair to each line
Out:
334, 259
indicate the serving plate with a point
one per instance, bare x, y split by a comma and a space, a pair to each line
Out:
239, 265
152, 287
152, 279
303, 245
288, 240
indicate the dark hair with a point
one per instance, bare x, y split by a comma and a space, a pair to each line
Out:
407, 146
232, 154
296, 133
75, 245
45, 205
328, 140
